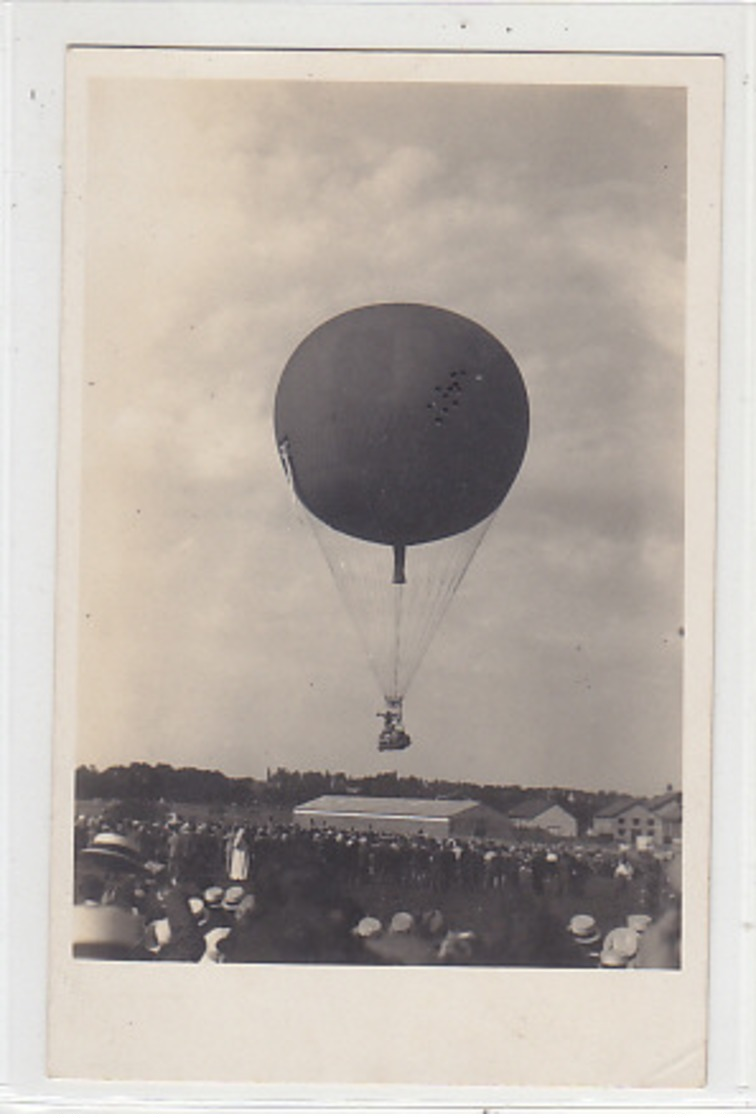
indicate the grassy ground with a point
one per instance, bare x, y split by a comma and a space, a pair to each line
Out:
256, 815
515, 926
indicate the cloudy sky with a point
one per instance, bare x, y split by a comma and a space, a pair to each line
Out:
227, 219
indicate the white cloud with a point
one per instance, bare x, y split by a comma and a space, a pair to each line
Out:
227, 223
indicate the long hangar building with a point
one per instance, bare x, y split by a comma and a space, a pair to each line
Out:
395, 815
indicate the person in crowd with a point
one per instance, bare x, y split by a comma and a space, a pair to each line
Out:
300, 915
108, 932
660, 941
586, 940
623, 942
106, 922
623, 875
303, 891
238, 856
402, 943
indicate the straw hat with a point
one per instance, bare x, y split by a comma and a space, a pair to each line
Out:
197, 908
106, 931
109, 851
402, 923
622, 940
583, 929
232, 898
368, 927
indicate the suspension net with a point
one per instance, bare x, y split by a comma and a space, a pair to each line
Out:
396, 620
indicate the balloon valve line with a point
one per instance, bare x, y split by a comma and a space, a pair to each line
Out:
400, 559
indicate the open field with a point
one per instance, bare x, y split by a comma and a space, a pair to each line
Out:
518, 920
255, 815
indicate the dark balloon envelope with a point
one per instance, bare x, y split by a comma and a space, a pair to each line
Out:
401, 423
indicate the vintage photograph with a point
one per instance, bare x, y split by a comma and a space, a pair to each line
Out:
389, 377
382, 517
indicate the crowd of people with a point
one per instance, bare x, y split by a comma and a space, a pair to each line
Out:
214, 892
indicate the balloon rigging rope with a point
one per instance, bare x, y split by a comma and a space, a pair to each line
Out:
396, 622
446, 585
439, 592
360, 579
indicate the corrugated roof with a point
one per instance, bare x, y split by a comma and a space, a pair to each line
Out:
386, 806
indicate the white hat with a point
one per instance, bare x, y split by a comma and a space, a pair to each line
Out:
368, 927
638, 922
233, 897
197, 907
402, 922
622, 940
614, 959
583, 928
113, 852
105, 929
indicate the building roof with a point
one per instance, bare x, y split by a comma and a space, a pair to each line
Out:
669, 809
617, 807
666, 800
532, 808
386, 806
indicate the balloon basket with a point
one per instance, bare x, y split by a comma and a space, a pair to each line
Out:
393, 736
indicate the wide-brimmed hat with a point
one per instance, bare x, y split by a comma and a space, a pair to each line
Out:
110, 851
623, 940
639, 921
233, 897
213, 896
583, 929
106, 931
197, 909
401, 923
368, 927
613, 959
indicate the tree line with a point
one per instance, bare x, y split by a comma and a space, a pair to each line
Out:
140, 782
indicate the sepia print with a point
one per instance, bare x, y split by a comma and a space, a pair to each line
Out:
378, 607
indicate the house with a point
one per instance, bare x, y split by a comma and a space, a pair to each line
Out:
613, 820
544, 815
667, 811
628, 818
397, 815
